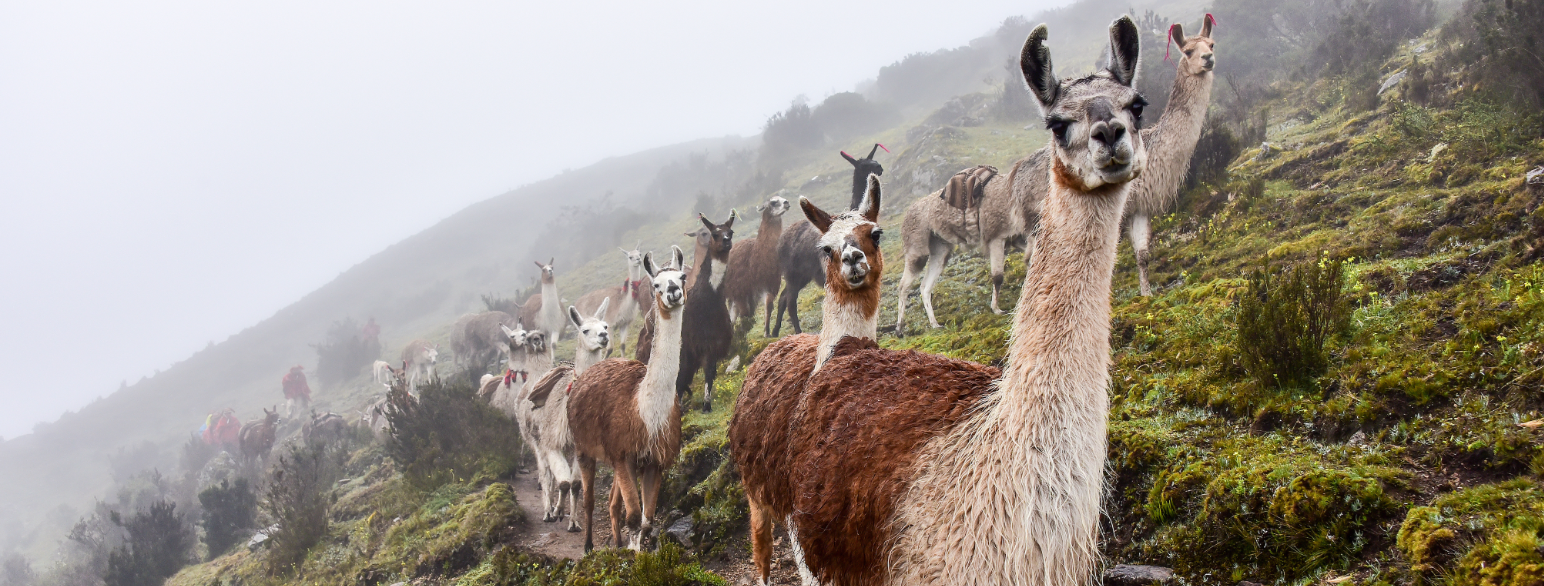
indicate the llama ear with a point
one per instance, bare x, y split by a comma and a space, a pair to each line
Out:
551, 260
760, 209
677, 258
648, 264
538, 264
818, 217
1206, 25
1035, 63
870, 205
705, 221
1125, 47
573, 317
507, 332
733, 215
1177, 34
872, 151
600, 312
849, 158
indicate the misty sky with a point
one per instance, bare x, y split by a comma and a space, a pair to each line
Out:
173, 172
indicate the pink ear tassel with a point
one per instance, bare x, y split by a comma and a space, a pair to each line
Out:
883, 147
844, 153
1211, 18
1168, 39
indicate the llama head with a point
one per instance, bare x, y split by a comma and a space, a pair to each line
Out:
1094, 120
516, 336
716, 239
536, 341
775, 207
634, 258
866, 166
271, 418
432, 355
546, 271
669, 281
1196, 53
594, 332
849, 241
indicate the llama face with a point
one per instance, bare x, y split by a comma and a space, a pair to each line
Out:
634, 259
717, 239
669, 281
536, 342
775, 207
515, 336
1095, 119
594, 332
849, 242
546, 271
1197, 53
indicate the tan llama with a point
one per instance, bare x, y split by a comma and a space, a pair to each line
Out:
908, 468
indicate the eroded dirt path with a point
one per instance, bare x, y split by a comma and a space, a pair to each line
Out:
553, 538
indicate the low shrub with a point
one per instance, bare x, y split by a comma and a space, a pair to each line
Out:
229, 510
448, 435
1286, 318
158, 544
297, 500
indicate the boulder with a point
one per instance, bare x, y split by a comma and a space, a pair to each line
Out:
1134, 575
681, 532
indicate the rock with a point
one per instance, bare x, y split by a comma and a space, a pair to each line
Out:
681, 532
1132, 575
222, 467
1536, 177
1436, 150
260, 538
734, 365
1392, 81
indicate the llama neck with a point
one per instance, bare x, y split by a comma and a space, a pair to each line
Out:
538, 363
1171, 143
584, 358
859, 187
550, 303
846, 313
656, 394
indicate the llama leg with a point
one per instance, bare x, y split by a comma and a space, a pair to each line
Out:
793, 307
766, 299
587, 472
626, 481
908, 276
782, 307
995, 252
573, 499
938, 255
709, 372
761, 541
618, 513
558, 470
548, 483
650, 496
1139, 235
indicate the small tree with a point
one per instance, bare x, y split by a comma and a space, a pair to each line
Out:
229, 509
448, 433
158, 545
297, 500
1285, 319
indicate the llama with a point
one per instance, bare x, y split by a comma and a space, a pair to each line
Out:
476, 339
257, 436
752, 277
518, 353
897, 467
543, 415
324, 429
627, 414
380, 371
419, 358
1173, 139
796, 248
708, 329
546, 317
849, 249
861, 169
631, 298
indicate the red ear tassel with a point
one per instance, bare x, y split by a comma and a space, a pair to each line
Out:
883, 147
1211, 18
844, 153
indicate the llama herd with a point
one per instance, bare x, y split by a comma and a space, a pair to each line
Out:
884, 466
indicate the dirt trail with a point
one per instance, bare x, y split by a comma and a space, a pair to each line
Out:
553, 538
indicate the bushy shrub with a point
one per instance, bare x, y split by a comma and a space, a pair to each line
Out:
17, 571
158, 544
848, 114
496, 302
344, 352
1216, 149
1500, 47
229, 510
1285, 318
448, 434
297, 499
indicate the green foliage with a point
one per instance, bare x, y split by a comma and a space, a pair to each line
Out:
1500, 45
448, 435
451, 531
670, 566
229, 510
1484, 535
1285, 319
158, 544
297, 499
1214, 152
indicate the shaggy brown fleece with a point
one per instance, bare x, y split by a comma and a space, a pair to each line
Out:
854, 445
603, 414
758, 431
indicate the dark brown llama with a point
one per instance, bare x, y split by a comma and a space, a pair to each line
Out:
752, 277
627, 414
708, 330
257, 436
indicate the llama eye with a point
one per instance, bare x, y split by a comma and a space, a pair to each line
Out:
1058, 127
1190, 52
826, 249
876, 234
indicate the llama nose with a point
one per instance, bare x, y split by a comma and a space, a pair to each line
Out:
1210, 59
1109, 133
852, 257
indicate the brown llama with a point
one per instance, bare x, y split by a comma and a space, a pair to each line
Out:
627, 414
1173, 139
907, 468
477, 339
796, 248
752, 277
258, 435
708, 329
